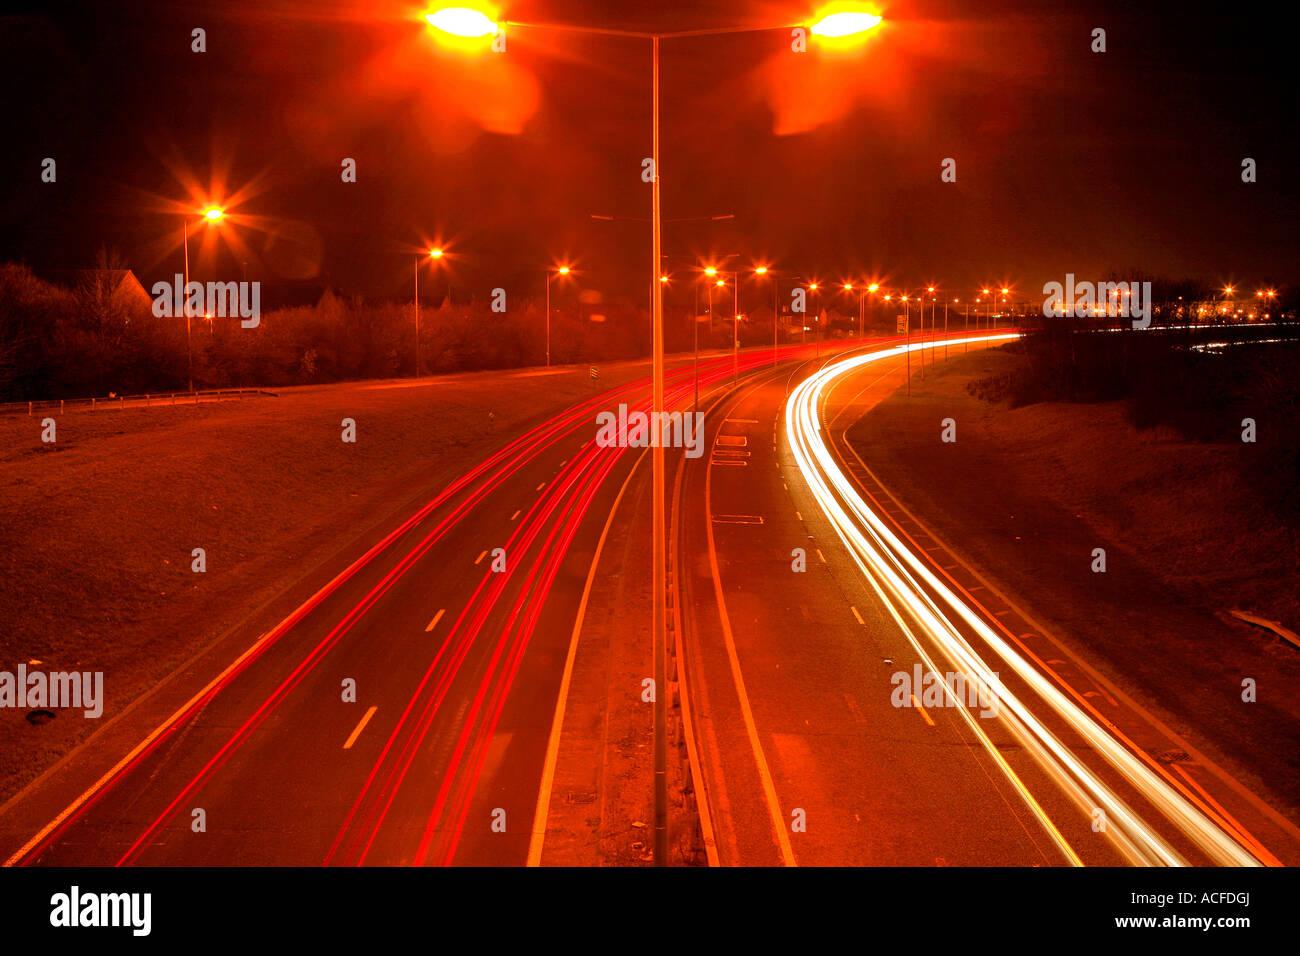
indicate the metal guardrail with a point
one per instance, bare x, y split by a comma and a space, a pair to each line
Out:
147, 400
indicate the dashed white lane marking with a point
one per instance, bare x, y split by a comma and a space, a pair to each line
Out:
481, 556
436, 618
857, 615
820, 555
514, 516
352, 738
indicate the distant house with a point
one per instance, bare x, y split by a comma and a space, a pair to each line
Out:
119, 286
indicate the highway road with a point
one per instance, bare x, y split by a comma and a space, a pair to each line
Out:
798, 674
403, 714
406, 714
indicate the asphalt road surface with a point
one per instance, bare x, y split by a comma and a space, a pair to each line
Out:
403, 715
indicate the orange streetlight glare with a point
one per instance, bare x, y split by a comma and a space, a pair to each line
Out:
710, 271
213, 213
722, 282
873, 287
563, 270
663, 278
844, 24
435, 253
462, 22
760, 270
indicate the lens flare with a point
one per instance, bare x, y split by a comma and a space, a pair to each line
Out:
462, 22
846, 23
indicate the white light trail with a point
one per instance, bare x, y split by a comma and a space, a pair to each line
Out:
905, 586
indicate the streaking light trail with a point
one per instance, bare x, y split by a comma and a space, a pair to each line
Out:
929, 614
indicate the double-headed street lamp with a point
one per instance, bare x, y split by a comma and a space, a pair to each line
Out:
838, 27
866, 290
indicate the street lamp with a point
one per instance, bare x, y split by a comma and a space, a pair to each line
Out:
462, 22
558, 270
212, 214
468, 23
844, 24
907, 326
434, 253
776, 346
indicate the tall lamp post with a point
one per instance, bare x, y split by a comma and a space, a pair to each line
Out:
907, 324
434, 254
558, 270
710, 272
211, 215
929, 289
945, 329
776, 346
817, 342
460, 21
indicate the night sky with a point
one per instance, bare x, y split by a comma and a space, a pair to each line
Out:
1066, 160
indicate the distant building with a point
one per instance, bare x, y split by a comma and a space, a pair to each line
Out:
120, 286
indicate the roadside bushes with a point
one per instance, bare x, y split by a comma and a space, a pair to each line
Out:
1201, 394
72, 343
